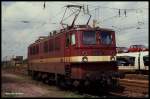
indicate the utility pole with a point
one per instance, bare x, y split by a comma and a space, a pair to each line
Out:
139, 60
44, 5
6, 61
94, 23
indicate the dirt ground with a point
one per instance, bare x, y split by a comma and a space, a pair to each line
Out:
16, 83
23, 86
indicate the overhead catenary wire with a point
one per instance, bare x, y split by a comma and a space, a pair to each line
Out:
118, 9
105, 7
55, 16
24, 21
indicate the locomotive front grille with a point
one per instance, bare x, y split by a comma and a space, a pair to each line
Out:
96, 53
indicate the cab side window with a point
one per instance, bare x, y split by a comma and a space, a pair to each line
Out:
73, 41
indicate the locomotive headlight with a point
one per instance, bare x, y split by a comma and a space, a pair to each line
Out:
113, 58
84, 59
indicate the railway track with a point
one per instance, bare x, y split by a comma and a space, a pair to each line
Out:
137, 76
132, 88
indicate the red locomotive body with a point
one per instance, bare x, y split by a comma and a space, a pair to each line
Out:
74, 55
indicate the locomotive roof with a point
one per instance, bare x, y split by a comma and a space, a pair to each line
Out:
76, 28
87, 27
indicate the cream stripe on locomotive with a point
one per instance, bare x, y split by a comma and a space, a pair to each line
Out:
74, 59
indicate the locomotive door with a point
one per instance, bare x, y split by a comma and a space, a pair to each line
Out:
67, 54
67, 48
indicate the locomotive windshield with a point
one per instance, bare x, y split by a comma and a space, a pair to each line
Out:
106, 37
89, 37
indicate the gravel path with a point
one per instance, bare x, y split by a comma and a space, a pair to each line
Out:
23, 86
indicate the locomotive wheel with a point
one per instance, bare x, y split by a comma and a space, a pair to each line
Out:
36, 75
50, 82
62, 84
76, 85
87, 86
33, 75
115, 83
46, 81
29, 72
39, 76
44, 78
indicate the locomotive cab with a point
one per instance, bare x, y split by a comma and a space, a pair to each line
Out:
91, 52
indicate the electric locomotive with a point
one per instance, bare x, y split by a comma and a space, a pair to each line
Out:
78, 55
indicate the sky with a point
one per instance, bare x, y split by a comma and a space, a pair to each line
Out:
24, 22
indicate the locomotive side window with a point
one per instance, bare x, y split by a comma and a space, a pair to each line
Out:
106, 38
89, 37
30, 50
33, 50
50, 45
73, 39
57, 44
146, 60
37, 49
45, 46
